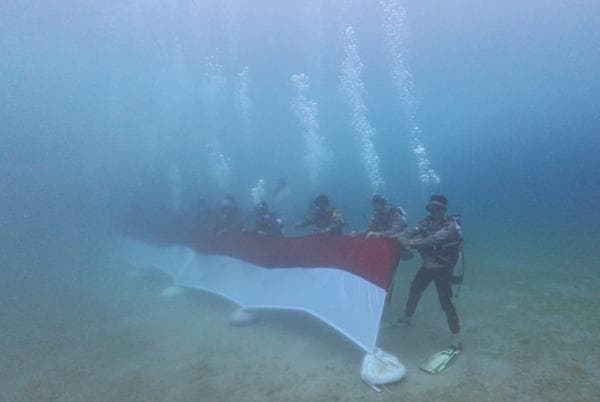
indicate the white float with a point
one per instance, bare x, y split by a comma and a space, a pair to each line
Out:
379, 368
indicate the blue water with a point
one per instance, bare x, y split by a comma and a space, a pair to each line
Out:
109, 104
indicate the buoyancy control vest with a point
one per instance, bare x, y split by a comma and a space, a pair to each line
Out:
448, 252
383, 220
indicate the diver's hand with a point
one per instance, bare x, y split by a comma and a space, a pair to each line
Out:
404, 242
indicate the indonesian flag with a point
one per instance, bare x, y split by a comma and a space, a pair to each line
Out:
341, 280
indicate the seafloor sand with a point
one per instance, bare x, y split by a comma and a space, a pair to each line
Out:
87, 332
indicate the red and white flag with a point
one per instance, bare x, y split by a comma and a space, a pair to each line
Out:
341, 280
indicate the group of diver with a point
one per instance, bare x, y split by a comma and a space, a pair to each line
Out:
437, 238
324, 219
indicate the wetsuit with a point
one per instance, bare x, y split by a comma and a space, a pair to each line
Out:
228, 219
389, 221
326, 221
268, 223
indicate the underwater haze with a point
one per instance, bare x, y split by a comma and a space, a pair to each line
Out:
113, 106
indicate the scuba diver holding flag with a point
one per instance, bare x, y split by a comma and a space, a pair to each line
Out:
438, 238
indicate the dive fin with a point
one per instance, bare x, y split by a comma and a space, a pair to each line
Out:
440, 361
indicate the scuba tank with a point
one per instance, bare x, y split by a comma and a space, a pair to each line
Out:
457, 275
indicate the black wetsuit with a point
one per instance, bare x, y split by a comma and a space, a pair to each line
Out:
326, 221
390, 221
268, 223
228, 219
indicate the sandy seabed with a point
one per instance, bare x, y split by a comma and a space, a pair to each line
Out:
76, 327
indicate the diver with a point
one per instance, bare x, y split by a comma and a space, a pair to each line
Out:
438, 239
228, 217
325, 219
267, 221
387, 220
203, 214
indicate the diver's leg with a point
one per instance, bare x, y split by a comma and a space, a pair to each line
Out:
417, 287
444, 290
